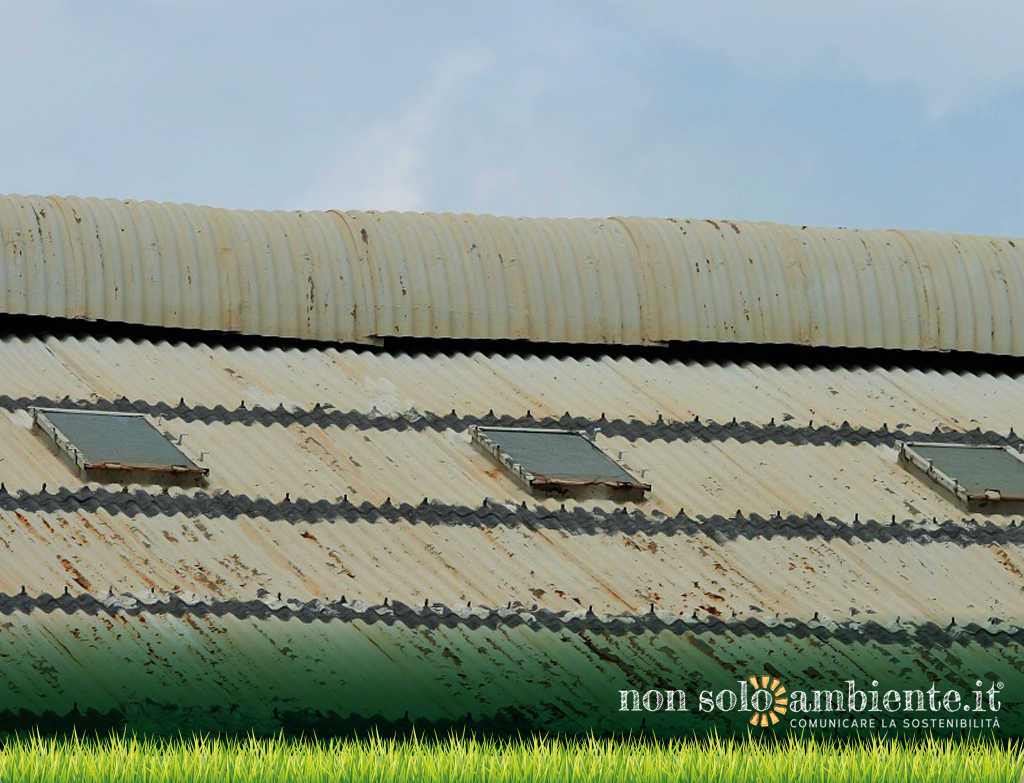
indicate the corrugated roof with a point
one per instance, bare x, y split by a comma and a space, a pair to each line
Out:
232, 669
354, 555
373, 426
796, 572
355, 277
313, 506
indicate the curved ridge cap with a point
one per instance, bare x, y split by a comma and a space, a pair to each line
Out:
502, 216
358, 276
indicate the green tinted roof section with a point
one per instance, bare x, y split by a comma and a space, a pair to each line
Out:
559, 455
118, 438
978, 469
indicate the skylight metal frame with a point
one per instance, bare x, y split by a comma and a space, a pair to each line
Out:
988, 499
557, 486
112, 471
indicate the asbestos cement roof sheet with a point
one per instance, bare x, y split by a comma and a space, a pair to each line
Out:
793, 573
354, 554
395, 500
391, 384
178, 666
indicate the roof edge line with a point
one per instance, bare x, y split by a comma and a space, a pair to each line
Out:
761, 354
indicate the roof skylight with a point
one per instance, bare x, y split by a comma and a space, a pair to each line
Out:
558, 462
977, 476
116, 447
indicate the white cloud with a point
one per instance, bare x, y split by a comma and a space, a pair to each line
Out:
864, 113
383, 166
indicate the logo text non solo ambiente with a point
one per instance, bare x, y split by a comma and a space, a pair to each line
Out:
769, 702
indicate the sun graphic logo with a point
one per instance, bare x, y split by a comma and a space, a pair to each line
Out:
768, 701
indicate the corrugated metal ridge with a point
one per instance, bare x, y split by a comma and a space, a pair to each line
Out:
356, 277
993, 631
576, 521
632, 430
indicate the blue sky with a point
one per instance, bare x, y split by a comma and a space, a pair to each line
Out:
869, 114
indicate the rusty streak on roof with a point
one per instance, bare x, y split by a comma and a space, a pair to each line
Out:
378, 664
339, 506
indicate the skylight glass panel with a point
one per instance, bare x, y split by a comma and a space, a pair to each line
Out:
556, 461
978, 476
116, 447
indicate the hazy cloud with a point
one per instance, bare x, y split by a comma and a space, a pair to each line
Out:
385, 165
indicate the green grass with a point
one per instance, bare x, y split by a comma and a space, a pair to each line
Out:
125, 759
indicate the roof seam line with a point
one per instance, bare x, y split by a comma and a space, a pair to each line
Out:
705, 431
439, 615
579, 521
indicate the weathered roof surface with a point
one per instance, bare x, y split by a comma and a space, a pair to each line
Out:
333, 667
343, 478
363, 442
798, 430
355, 277
355, 555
